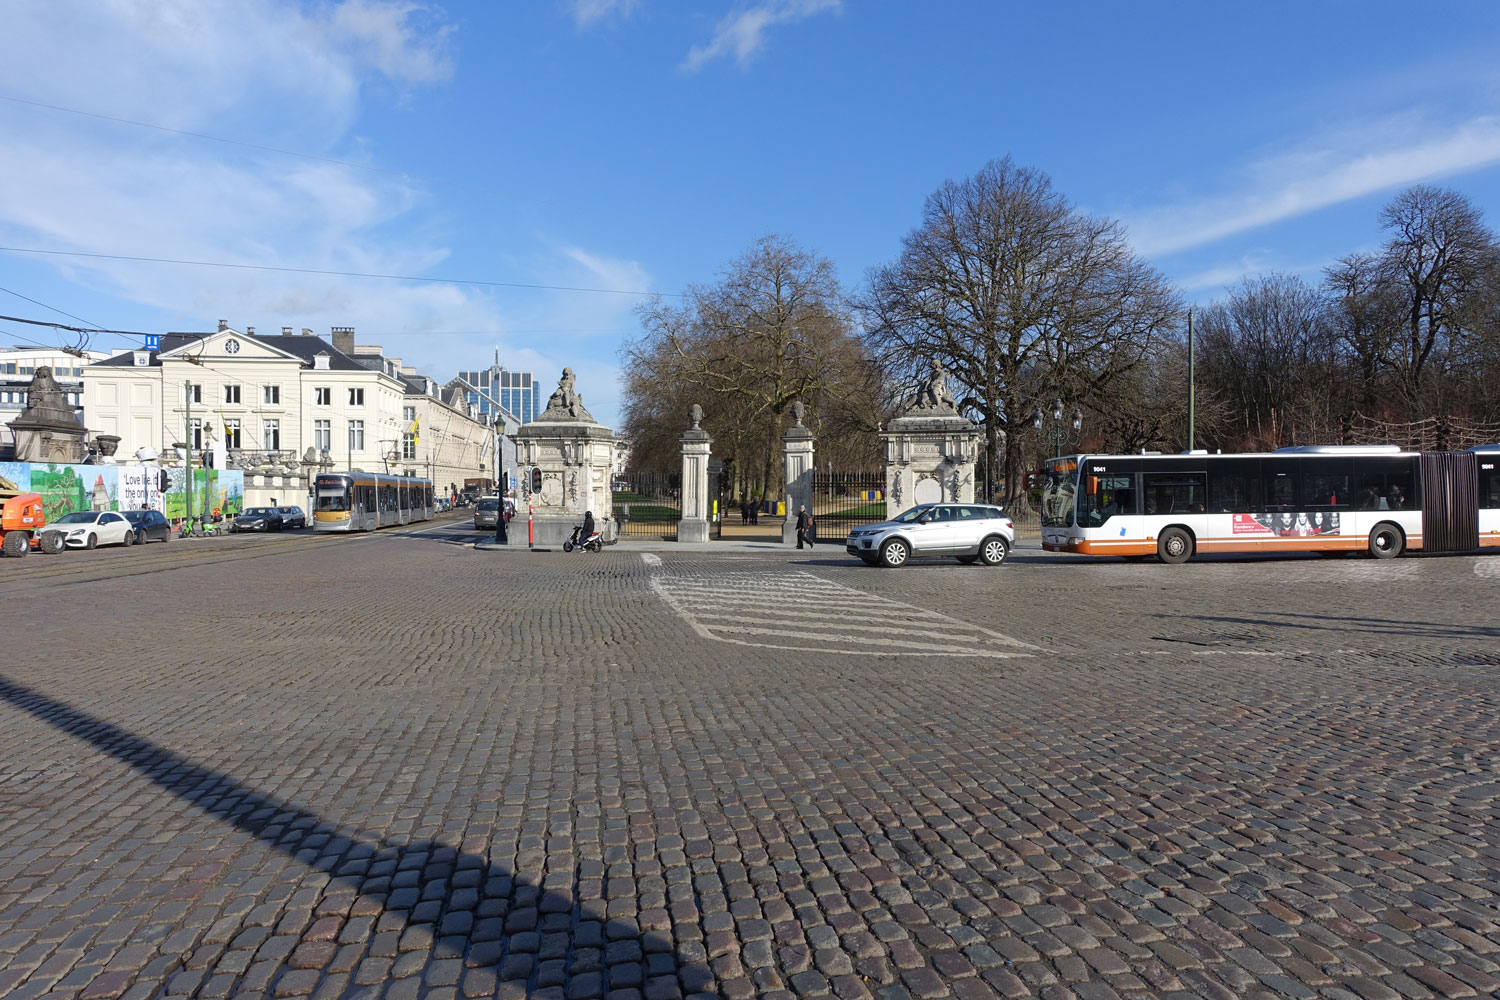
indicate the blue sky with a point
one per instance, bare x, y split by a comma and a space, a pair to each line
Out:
632, 145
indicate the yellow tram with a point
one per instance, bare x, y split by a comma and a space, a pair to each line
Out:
362, 501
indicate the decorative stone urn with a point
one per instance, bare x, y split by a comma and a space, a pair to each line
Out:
575, 454
930, 450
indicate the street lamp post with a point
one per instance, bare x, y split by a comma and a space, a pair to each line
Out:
502, 535
1058, 434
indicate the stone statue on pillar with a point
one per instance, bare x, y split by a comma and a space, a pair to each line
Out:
930, 449
48, 430
696, 445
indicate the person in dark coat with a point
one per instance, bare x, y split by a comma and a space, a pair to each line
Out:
804, 527
588, 527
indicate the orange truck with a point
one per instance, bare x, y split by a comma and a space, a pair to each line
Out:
21, 521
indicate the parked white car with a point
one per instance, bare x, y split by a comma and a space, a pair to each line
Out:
966, 531
84, 529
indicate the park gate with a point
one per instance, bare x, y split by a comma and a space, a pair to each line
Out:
648, 504
843, 501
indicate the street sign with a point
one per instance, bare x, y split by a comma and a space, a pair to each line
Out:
153, 342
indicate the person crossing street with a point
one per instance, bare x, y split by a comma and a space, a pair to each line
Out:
804, 527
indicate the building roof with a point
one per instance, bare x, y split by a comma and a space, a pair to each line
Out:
303, 347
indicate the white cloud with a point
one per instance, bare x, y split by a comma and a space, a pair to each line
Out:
743, 33
587, 13
1355, 162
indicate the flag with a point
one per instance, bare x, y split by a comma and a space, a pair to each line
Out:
416, 438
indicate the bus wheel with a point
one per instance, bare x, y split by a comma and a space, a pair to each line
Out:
1386, 541
1174, 546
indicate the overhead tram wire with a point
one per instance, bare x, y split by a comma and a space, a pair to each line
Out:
404, 174
77, 348
339, 274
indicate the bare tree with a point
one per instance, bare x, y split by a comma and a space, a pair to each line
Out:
1437, 260
1020, 295
773, 329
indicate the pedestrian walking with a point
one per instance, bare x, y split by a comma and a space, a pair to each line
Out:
804, 527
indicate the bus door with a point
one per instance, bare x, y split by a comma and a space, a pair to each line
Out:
1109, 503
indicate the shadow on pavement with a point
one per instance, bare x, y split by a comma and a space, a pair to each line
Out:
505, 928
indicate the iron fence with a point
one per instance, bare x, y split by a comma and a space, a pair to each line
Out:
648, 504
843, 501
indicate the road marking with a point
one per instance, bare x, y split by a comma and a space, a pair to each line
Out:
650, 559
801, 611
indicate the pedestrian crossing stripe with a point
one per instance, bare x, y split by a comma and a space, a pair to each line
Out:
798, 610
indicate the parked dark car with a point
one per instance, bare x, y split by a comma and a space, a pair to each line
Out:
258, 519
292, 517
149, 525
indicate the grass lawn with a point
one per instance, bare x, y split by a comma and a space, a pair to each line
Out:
649, 511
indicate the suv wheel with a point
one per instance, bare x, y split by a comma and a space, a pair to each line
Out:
994, 550
894, 553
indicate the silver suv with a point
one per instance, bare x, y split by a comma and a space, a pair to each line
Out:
966, 531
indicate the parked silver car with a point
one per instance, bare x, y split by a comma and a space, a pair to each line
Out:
966, 531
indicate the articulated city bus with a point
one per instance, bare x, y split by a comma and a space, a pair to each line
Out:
362, 501
1330, 499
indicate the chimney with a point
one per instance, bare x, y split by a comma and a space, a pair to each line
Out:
343, 339
286, 331
307, 331
223, 325
249, 331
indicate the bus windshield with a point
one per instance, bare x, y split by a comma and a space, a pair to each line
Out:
1058, 491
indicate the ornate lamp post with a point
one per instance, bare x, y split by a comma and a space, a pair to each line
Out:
1057, 435
502, 535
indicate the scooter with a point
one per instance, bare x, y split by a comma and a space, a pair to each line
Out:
593, 543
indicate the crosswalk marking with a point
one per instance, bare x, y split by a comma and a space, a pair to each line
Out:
802, 611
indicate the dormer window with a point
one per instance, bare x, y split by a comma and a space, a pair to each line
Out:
320, 362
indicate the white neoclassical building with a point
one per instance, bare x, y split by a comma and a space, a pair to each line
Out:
278, 407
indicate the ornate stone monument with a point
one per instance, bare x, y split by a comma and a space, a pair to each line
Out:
797, 459
930, 449
48, 430
695, 450
575, 453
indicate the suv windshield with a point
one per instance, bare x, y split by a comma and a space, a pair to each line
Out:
259, 511
908, 516
487, 505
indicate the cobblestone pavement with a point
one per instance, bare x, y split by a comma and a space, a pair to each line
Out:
392, 766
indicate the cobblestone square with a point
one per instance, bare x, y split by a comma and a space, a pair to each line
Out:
393, 766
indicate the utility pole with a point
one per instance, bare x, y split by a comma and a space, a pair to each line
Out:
187, 453
1191, 385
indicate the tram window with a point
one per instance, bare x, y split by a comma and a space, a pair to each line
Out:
333, 501
1325, 483
1173, 492
1234, 486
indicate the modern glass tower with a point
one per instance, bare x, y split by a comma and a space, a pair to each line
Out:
516, 392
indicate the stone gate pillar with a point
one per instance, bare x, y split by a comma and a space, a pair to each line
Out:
695, 449
930, 450
797, 457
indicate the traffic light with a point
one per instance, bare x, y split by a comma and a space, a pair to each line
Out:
162, 480
536, 480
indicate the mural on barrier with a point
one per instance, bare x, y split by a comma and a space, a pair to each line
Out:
69, 488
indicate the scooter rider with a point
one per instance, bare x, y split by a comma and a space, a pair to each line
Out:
588, 528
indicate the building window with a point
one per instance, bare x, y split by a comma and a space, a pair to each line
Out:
408, 414
356, 435
408, 446
197, 435
356, 397
195, 393
10, 368
272, 393
323, 435
231, 394
323, 396
232, 432
272, 437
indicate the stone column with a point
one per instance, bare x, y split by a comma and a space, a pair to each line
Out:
695, 448
797, 456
